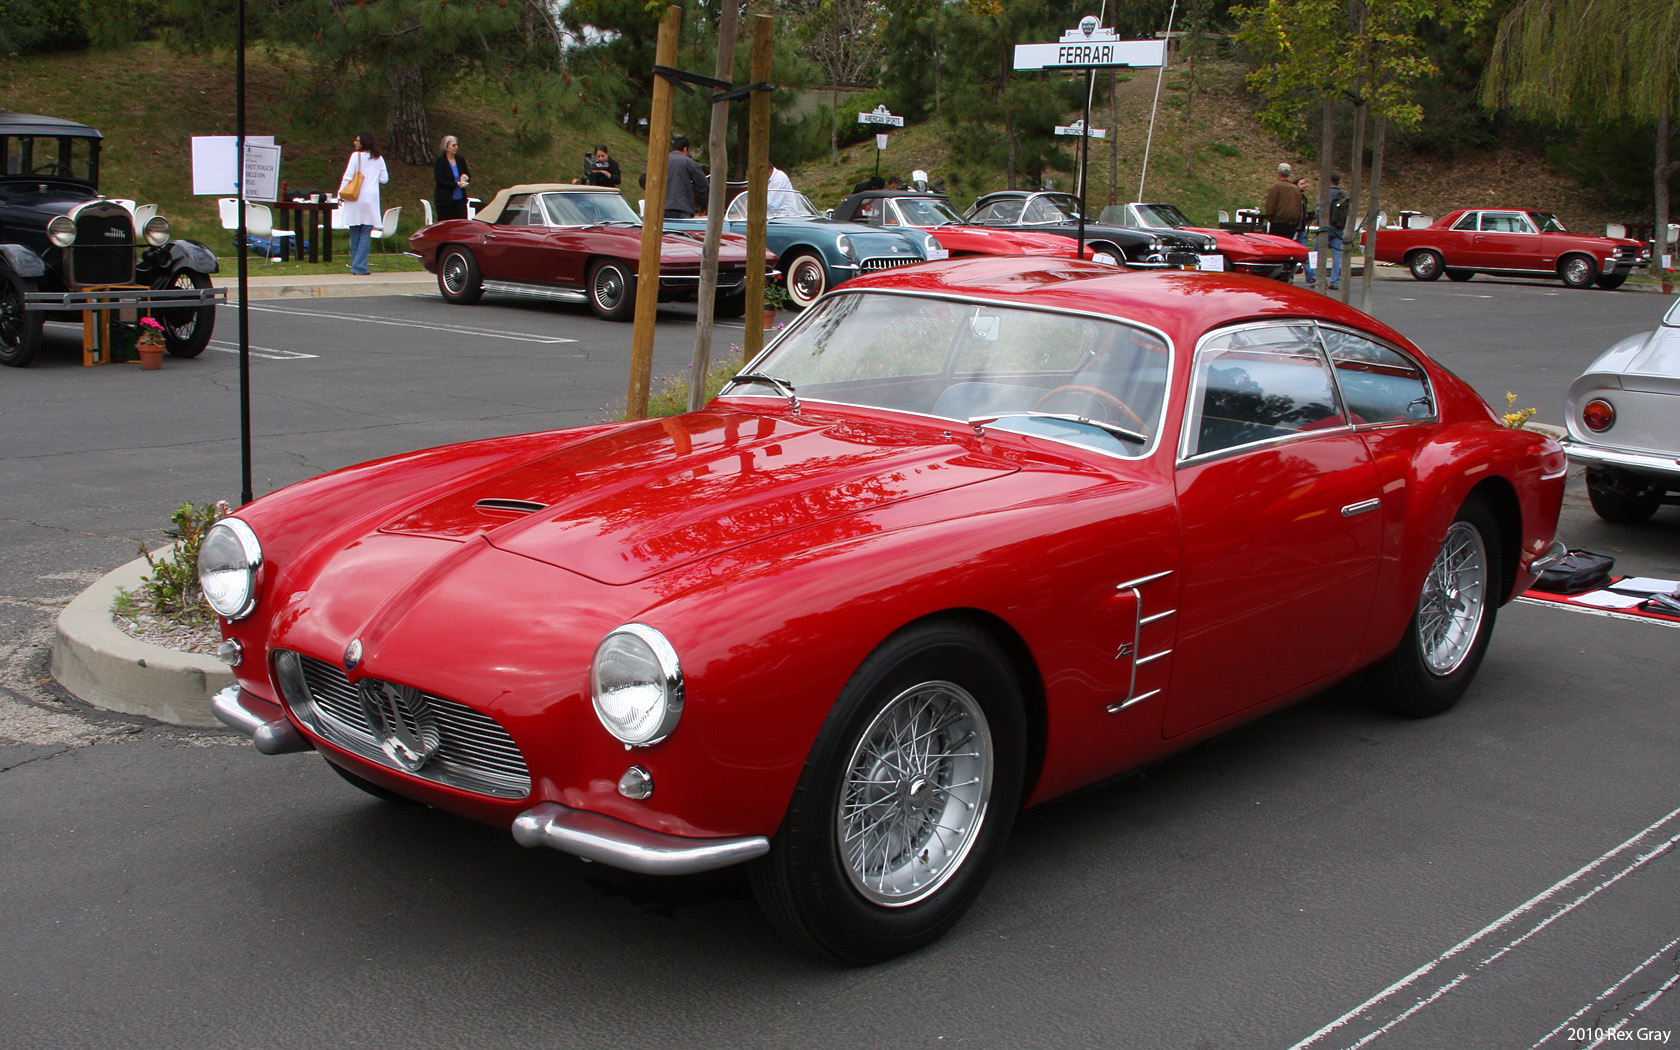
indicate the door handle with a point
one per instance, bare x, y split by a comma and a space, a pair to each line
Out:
1361, 507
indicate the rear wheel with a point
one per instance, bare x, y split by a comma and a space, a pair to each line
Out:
1621, 500
1578, 271
1609, 281
905, 801
1455, 274
1426, 265
458, 278
1449, 631
20, 329
612, 290
186, 329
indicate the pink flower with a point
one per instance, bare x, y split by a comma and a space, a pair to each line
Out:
148, 322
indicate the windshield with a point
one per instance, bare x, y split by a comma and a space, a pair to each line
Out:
1074, 378
588, 209
1161, 216
68, 157
926, 211
1547, 222
784, 204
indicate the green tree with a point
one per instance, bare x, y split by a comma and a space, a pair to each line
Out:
1587, 60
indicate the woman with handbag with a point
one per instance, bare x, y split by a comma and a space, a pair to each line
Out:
358, 196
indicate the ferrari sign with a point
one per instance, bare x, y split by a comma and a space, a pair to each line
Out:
1090, 46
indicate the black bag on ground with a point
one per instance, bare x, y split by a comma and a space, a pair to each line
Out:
1577, 573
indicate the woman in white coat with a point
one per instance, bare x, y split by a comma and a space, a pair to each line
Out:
363, 213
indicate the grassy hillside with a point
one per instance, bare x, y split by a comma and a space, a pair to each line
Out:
149, 103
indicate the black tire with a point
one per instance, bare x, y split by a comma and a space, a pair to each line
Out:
612, 290
1578, 271
807, 278
1108, 249
186, 329
1621, 500
817, 893
383, 794
459, 281
730, 306
1611, 281
1426, 264
20, 329
1456, 274
1445, 640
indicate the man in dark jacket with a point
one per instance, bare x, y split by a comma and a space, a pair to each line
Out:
685, 183
1339, 204
1283, 210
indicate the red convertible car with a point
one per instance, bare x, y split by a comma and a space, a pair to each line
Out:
1510, 242
933, 213
968, 536
575, 244
1260, 254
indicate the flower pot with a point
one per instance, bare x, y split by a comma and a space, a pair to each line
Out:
769, 318
151, 355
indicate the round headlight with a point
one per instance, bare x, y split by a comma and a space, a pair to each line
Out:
157, 231
228, 561
61, 231
843, 244
637, 684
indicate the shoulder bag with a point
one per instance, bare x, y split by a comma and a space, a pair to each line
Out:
353, 188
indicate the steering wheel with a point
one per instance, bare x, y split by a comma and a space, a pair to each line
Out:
59, 170
1096, 394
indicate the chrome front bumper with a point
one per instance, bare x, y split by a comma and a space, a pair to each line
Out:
613, 842
278, 737
1637, 462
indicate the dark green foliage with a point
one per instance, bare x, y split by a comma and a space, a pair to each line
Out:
34, 26
1612, 158
172, 590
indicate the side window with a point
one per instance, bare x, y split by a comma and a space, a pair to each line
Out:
1467, 223
1260, 384
516, 212
1379, 385
1041, 210
866, 209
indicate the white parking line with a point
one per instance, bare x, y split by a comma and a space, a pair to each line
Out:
1588, 610
433, 326
1613, 990
269, 352
1666, 826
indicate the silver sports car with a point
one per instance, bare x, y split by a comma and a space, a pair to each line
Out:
1624, 424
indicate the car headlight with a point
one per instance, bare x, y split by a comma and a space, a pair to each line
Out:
61, 231
157, 231
636, 684
228, 561
843, 244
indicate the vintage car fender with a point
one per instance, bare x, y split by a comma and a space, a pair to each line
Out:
190, 255
21, 262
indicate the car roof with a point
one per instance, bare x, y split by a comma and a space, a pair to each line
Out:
34, 124
1183, 303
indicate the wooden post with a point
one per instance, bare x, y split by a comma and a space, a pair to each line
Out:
653, 220
758, 184
717, 198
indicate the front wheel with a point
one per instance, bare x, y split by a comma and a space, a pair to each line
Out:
1621, 499
905, 801
186, 329
20, 329
1426, 265
1578, 271
612, 291
1450, 628
458, 278
807, 278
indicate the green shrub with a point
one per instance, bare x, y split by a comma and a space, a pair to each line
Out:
172, 591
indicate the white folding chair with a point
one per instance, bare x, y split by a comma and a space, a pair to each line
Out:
426, 210
387, 229
473, 204
1224, 216
1615, 229
1382, 220
259, 222
228, 207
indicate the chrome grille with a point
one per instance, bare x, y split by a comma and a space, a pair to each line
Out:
887, 262
474, 753
104, 248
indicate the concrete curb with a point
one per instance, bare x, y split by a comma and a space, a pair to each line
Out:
103, 666
326, 286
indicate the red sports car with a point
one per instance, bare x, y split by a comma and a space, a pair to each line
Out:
1260, 254
1511, 242
968, 536
933, 213
575, 244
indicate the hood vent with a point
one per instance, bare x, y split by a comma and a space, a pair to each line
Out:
521, 506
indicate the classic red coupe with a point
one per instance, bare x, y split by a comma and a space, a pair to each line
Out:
575, 244
1510, 242
1260, 254
966, 537
933, 213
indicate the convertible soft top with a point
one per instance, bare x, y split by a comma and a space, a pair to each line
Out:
493, 211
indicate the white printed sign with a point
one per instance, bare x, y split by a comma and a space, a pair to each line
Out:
215, 163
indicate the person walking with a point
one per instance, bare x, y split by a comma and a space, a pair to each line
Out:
450, 176
1282, 212
1340, 203
366, 169
685, 183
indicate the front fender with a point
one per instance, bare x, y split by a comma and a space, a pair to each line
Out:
21, 262
190, 255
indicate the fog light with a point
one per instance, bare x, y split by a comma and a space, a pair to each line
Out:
636, 783
1599, 415
230, 652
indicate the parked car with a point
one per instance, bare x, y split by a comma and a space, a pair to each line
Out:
1058, 213
933, 212
1623, 416
60, 240
815, 252
1510, 242
966, 537
1260, 254
570, 243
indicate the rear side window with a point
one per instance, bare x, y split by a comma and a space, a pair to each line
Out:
1378, 385
1260, 384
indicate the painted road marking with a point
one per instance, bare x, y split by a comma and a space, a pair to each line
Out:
1590, 611
433, 326
269, 352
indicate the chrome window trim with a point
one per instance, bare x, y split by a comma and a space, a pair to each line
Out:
1185, 437
1428, 381
984, 300
1474, 218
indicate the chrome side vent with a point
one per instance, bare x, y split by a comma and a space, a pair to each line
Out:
521, 506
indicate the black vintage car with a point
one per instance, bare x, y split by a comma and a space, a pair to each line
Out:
1049, 212
65, 249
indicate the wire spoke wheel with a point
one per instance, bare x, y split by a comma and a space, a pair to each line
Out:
1455, 596
915, 793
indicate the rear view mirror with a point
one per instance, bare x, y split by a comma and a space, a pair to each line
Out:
984, 327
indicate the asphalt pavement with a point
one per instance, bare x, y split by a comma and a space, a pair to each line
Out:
1501, 876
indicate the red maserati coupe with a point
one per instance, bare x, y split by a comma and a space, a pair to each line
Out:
967, 536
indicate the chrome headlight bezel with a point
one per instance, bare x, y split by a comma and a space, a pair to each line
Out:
233, 596
61, 230
156, 231
636, 685
843, 245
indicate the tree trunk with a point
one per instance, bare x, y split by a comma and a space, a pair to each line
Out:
1189, 87
1320, 241
1371, 215
1356, 171
405, 120
834, 127
1662, 246
1009, 138
1113, 137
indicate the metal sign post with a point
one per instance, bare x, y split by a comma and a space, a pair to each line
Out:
879, 115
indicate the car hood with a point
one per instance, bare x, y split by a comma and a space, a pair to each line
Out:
642, 499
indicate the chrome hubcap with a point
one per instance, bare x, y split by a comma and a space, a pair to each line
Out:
1577, 271
807, 282
609, 288
1426, 264
1454, 599
454, 274
915, 793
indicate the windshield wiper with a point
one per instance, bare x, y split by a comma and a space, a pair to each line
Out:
780, 386
978, 422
